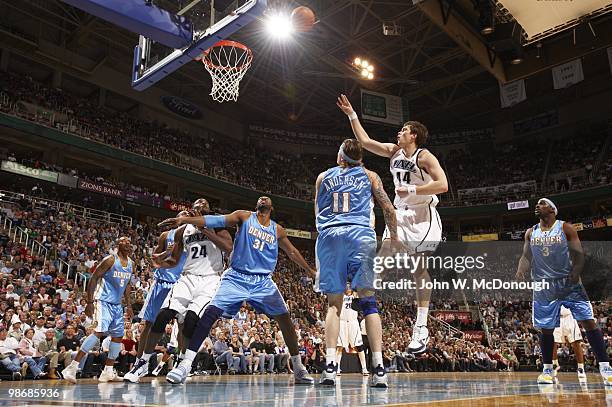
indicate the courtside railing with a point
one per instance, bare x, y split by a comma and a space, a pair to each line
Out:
19, 235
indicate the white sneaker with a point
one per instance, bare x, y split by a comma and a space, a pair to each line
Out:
379, 378
109, 376
178, 375
158, 369
606, 374
420, 339
328, 376
582, 377
70, 372
546, 377
301, 376
140, 369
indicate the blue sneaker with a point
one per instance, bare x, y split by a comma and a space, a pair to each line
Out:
546, 377
178, 375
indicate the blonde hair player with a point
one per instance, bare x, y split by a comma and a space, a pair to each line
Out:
418, 177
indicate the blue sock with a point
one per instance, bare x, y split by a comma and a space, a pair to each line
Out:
89, 343
547, 342
202, 329
113, 350
598, 345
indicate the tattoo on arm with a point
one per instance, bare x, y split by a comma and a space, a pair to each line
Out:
383, 200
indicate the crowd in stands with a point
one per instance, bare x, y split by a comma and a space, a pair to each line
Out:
289, 174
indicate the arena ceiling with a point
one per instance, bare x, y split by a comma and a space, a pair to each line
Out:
296, 82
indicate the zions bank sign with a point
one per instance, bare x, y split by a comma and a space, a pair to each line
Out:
182, 107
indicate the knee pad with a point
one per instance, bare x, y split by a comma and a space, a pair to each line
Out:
368, 305
191, 321
164, 317
113, 350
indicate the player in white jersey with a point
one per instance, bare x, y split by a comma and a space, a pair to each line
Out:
350, 332
194, 289
418, 178
568, 332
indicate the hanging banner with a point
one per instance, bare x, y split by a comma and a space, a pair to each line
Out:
449, 316
380, 107
568, 74
478, 336
480, 238
302, 234
512, 93
518, 205
610, 58
100, 188
26, 171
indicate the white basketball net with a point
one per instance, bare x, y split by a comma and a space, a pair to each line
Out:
227, 62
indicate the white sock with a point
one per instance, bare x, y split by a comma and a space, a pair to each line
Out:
603, 364
296, 362
75, 363
146, 356
108, 368
330, 356
422, 313
548, 365
188, 358
581, 366
377, 359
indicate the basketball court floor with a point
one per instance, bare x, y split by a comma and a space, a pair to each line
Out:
431, 389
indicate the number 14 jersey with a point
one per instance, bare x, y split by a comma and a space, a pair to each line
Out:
406, 171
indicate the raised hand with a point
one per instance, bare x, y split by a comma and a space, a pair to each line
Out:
344, 105
170, 223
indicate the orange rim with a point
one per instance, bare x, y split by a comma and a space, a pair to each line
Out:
226, 43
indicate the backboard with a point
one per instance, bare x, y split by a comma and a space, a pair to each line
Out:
211, 23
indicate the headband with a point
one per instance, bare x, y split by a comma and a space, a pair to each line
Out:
551, 204
346, 157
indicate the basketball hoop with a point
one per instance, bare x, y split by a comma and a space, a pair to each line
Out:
227, 62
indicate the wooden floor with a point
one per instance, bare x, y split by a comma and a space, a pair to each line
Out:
431, 389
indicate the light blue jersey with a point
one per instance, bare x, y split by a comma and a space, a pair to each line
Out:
114, 282
551, 262
171, 275
345, 198
255, 247
550, 252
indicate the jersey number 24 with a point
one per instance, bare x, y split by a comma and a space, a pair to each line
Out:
198, 251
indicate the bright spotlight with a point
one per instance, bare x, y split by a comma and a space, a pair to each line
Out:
279, 26
370, 76
364, 73
371, 68
357, 61
364, 64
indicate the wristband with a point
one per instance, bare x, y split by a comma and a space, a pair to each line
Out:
411, 189
214, 221
352, 116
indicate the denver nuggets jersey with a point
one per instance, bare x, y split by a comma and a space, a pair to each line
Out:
550, 252
203, 257
171, 275
405, 171
255, 247
345, 198
348, 313
112, 285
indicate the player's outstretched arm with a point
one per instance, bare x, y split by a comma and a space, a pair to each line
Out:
373, 146
101, 269
438, 184
525, 260
222, 239
211, 221
383, 200
576, 252
285, 244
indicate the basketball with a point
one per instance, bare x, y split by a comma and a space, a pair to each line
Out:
302, 18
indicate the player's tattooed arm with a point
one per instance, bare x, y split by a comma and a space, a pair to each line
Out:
101, 269
285, 244
317, 186
525, 260
576, 252
383, 200
170, 259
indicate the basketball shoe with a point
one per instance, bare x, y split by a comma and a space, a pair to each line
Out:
328, 376
606, 374
70, 372
301, 376
546, 377
140, 369
582, 377
178, 375
379, 378
420, 339
109, 375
